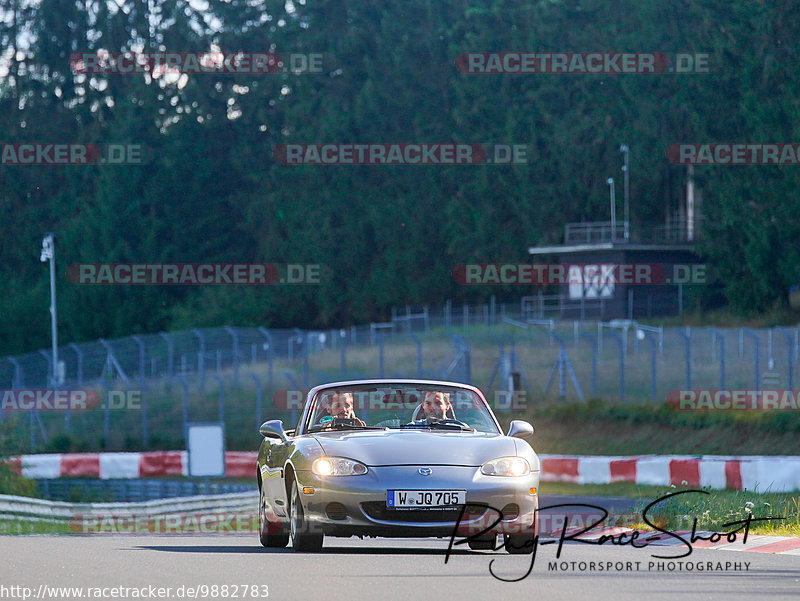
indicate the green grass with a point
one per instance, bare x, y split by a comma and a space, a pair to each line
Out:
712, 510
603, 428
17, 526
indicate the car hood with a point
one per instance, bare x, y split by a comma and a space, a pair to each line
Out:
414, 447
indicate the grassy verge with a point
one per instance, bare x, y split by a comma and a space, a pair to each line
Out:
712, 510
602, 428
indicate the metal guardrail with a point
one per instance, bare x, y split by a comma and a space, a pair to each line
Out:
133, 490
16, 507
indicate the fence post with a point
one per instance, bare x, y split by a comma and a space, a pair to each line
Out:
201, 359
144, 413
467, 364
563, 365
221, 398
19, 374
140, 344
235, 351
630, 304
652, 364
465, 319
621, 345
717, 335
305, 360
593, 346
185, 403
688, 343
500, 362
790, 359
796, 343
170, 353
270, 352
600, 336
78, 352
756, 365
106, 412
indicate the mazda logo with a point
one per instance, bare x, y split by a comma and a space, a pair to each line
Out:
425, 471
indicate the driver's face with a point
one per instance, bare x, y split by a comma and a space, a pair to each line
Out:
435, 405
341, 405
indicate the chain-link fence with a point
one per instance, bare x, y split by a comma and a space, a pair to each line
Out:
150, 386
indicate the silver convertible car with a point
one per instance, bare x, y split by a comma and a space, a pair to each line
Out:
398, 458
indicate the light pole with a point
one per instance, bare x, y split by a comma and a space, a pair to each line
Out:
49, 252
624, 149
610, 182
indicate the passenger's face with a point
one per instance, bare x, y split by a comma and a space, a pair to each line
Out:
341, 405
435, 406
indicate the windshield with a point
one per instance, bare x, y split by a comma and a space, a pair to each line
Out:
399, 406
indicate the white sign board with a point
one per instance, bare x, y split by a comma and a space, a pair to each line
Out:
205, 444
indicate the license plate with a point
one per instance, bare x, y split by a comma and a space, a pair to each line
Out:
424, 499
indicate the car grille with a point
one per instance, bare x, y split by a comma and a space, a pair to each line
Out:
377, 510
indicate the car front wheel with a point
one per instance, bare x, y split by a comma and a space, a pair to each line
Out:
302, 540
277, 539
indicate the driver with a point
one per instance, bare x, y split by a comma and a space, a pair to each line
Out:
436, 405
340, 405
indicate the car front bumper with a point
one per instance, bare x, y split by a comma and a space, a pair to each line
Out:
356, 505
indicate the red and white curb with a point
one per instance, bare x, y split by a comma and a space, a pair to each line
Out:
777, 474
774, 473
756, 543
238, 464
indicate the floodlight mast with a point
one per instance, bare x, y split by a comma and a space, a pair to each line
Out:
49, 253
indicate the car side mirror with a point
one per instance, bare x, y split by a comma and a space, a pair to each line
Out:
273, 429
520, 429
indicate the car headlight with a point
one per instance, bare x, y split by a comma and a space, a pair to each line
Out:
506, 466
337, 466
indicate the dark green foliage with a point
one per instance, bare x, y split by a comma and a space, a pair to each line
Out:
209, 189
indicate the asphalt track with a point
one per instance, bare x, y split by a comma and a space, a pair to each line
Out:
402, 569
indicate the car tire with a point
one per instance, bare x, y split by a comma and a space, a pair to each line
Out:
518, 544
275, 540
302, 540
484, 543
